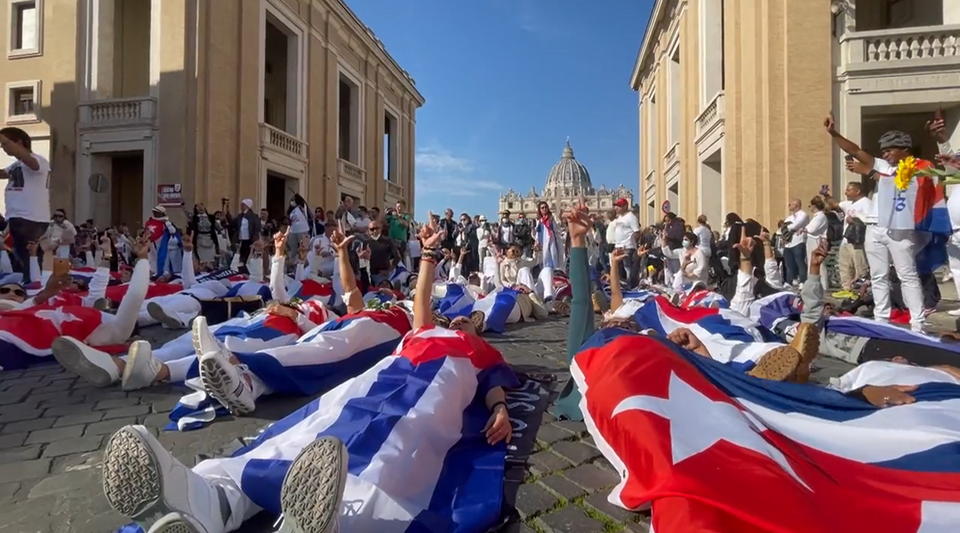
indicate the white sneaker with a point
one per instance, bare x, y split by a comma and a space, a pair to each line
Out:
955, 312
141, 369
202, 337
312, 490
145, 483
157, 313
224, 382
90, 364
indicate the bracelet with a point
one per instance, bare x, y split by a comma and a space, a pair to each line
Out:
496, 404
428, 260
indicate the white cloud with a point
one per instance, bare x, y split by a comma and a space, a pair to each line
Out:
435, 160
458, 186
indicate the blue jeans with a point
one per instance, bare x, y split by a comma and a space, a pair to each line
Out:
795, 263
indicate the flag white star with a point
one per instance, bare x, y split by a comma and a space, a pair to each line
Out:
57, 317
697, 423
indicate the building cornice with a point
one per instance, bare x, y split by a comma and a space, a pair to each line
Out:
656, 16
376, 47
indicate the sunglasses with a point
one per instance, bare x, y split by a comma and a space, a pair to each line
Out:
15, 291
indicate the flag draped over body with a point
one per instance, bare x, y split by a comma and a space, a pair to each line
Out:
711, 449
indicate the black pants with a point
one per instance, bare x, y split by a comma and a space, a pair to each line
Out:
631, 266
23, 232
245, 252
917, 354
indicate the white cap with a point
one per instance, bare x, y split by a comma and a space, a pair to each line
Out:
247, 202
160, 209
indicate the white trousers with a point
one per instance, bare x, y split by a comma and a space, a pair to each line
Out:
899, 247
953, 256
116, 329
182, 306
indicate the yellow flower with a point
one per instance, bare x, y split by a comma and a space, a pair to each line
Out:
905, 172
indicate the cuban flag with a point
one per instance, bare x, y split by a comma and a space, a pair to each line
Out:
312, 289
707, 448
250, 288
412, 424
399, 275
730, 337
498, 307
638, 295
862, 327
772, 309
700, 297
26, 335
155, 289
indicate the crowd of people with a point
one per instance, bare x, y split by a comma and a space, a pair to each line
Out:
384, 317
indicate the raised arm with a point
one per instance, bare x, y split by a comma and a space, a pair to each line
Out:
431, 236
845, 144
616, 293
277, 275
351, 294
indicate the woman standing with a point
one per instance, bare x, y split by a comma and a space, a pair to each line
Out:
205, 242
298, 213
549, 242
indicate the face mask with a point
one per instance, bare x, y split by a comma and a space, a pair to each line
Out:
375, 234
686, 243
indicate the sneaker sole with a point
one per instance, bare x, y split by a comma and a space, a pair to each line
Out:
157, 313
195, 337
215, 380
71, 358
176, 523
129, 369
807, 342
132, 482
313, 487
777, 365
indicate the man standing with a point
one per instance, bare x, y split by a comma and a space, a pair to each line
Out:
625, 232
450, 226
27, 195
399, 227
246, 229
795, 249
384, 256
851, 257
505, 233
891, 228
523, 231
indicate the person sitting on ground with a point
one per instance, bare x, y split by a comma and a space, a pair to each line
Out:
438, 383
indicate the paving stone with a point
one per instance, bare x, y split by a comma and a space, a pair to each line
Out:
12, 441
7, 398
599, 503
571, 426
71, 446
563, 486
546, 462
28, 425
164, 406
7, 490
115, 404
79, 419
60, 401
533, 500
549, 434
126, 412
67, 410
53, 435
64, 483
591, 478
576, 452
24, 470
23, 453
20, 414
572, 519
640, 527
108, 426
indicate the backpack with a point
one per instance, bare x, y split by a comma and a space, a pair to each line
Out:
834, 228
856, 233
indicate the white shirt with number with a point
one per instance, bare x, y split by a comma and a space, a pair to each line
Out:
893, 207
27, 194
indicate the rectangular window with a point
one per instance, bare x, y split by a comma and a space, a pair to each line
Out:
22, 101
24, 28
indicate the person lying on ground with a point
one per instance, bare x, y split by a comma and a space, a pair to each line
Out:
445, 387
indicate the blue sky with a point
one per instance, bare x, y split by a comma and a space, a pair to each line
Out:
506, 82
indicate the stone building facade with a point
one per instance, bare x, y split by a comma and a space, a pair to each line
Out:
567, 181
732, 96
230, 99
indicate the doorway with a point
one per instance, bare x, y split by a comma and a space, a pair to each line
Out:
126, 202
280, 190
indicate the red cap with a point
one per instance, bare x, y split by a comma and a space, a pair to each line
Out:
622, 202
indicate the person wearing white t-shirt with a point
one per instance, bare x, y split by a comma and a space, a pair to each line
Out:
851, 258
299, 223
816, 230
795, 250
891, 229
27, 195
625, 229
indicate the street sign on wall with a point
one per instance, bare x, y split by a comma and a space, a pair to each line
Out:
665, 207
169, 195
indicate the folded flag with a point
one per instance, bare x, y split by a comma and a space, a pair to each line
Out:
26, 335
497, 307
708, 448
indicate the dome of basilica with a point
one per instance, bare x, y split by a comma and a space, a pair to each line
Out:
568, 177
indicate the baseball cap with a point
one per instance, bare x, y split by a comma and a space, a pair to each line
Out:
621, 202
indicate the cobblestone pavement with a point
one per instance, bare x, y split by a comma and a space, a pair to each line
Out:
53, 429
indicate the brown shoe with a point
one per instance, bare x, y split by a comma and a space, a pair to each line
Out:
479, 321
806, 341
779, 364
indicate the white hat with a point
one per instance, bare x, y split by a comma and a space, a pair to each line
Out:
247, 202
160, 209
